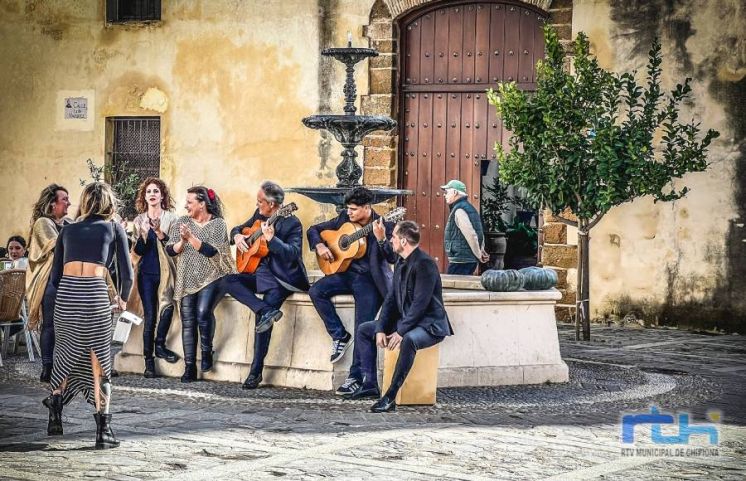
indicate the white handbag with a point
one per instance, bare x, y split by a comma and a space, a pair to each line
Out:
124, 325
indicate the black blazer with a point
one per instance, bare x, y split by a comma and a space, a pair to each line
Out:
415, 300
285, 261
379, 256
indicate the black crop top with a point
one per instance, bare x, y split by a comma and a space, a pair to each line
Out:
94, 240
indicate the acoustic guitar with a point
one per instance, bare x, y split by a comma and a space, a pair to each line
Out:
348, 242
248, 261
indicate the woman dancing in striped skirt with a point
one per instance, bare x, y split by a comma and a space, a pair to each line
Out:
82, 312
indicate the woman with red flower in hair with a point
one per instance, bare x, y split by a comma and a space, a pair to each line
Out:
200, 240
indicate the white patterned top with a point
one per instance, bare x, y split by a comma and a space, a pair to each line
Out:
194, 270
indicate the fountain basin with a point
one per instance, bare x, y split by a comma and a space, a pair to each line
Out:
349, 130
336, 195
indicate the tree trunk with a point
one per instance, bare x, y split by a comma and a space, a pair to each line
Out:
582, 299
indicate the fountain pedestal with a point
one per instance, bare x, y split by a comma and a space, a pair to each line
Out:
349, 129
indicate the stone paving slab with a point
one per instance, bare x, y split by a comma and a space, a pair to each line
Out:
571, 431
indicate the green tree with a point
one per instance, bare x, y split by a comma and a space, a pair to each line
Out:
590, 139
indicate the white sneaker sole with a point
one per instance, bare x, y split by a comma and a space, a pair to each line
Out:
342, 354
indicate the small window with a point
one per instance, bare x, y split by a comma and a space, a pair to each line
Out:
121, 11
133, 146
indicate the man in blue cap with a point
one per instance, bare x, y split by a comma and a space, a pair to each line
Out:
464, 237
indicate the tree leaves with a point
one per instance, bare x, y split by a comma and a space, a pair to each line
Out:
587, 140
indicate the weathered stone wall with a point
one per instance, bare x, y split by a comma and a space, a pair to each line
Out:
681, 262
230, 81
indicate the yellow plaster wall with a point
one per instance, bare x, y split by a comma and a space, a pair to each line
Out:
230, 80
651, 255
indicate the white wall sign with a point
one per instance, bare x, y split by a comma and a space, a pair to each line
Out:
76, 108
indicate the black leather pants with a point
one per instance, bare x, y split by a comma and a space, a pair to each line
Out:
197, 311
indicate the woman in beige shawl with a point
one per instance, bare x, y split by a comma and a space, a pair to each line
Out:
154, 270
47, 220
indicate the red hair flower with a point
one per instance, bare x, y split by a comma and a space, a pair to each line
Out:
211, 195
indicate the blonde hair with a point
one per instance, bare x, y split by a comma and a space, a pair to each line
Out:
98, 199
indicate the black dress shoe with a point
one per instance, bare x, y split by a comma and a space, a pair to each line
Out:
190, 373
365, 392
161, 352
267, 319
206, 364
46, 373
114, 373
383, 405
252, 382
149, 369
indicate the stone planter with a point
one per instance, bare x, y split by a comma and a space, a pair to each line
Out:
496, 243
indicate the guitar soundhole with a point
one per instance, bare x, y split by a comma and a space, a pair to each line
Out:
344, 242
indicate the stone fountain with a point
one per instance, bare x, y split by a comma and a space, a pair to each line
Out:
349, 129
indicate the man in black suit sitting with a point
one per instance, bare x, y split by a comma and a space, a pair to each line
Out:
412, 317
279, 274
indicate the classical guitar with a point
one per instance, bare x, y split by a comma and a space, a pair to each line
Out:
248, 261
348, 242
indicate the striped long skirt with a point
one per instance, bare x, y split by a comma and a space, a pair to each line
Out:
82, 324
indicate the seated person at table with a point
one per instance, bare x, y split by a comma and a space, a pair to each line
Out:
412, 317
16, 247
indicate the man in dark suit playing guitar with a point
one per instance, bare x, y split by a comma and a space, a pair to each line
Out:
368, 278
278, 274
413, 317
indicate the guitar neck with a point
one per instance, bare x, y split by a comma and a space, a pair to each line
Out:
255, 236
359, 234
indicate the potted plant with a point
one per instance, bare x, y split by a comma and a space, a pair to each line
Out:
523, 245
494, 204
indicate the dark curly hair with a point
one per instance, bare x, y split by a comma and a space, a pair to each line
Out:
212, 202
167, 202
359, 196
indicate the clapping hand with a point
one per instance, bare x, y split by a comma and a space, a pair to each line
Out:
185, 233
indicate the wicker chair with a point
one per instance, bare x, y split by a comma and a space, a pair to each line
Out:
13, 310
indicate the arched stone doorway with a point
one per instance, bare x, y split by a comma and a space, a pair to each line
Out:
454, 41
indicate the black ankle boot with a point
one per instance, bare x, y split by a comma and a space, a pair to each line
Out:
206, 364
190, 373
54, 404
161, 352
149, 368
105, 438
46, 373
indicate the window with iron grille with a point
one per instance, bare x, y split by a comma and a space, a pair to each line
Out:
134, 153
121, 11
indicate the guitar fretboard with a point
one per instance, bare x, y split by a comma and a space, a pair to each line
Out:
282, 212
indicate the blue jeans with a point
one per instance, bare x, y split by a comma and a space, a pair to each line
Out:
462, 268
242, 287
147, 286
367, 302
414, 340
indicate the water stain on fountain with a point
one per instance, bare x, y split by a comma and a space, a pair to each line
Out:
349, 129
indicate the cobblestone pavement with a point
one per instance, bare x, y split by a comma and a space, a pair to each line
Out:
570, 431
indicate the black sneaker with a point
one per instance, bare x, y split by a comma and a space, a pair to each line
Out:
339, 347
267, 319
348, 387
